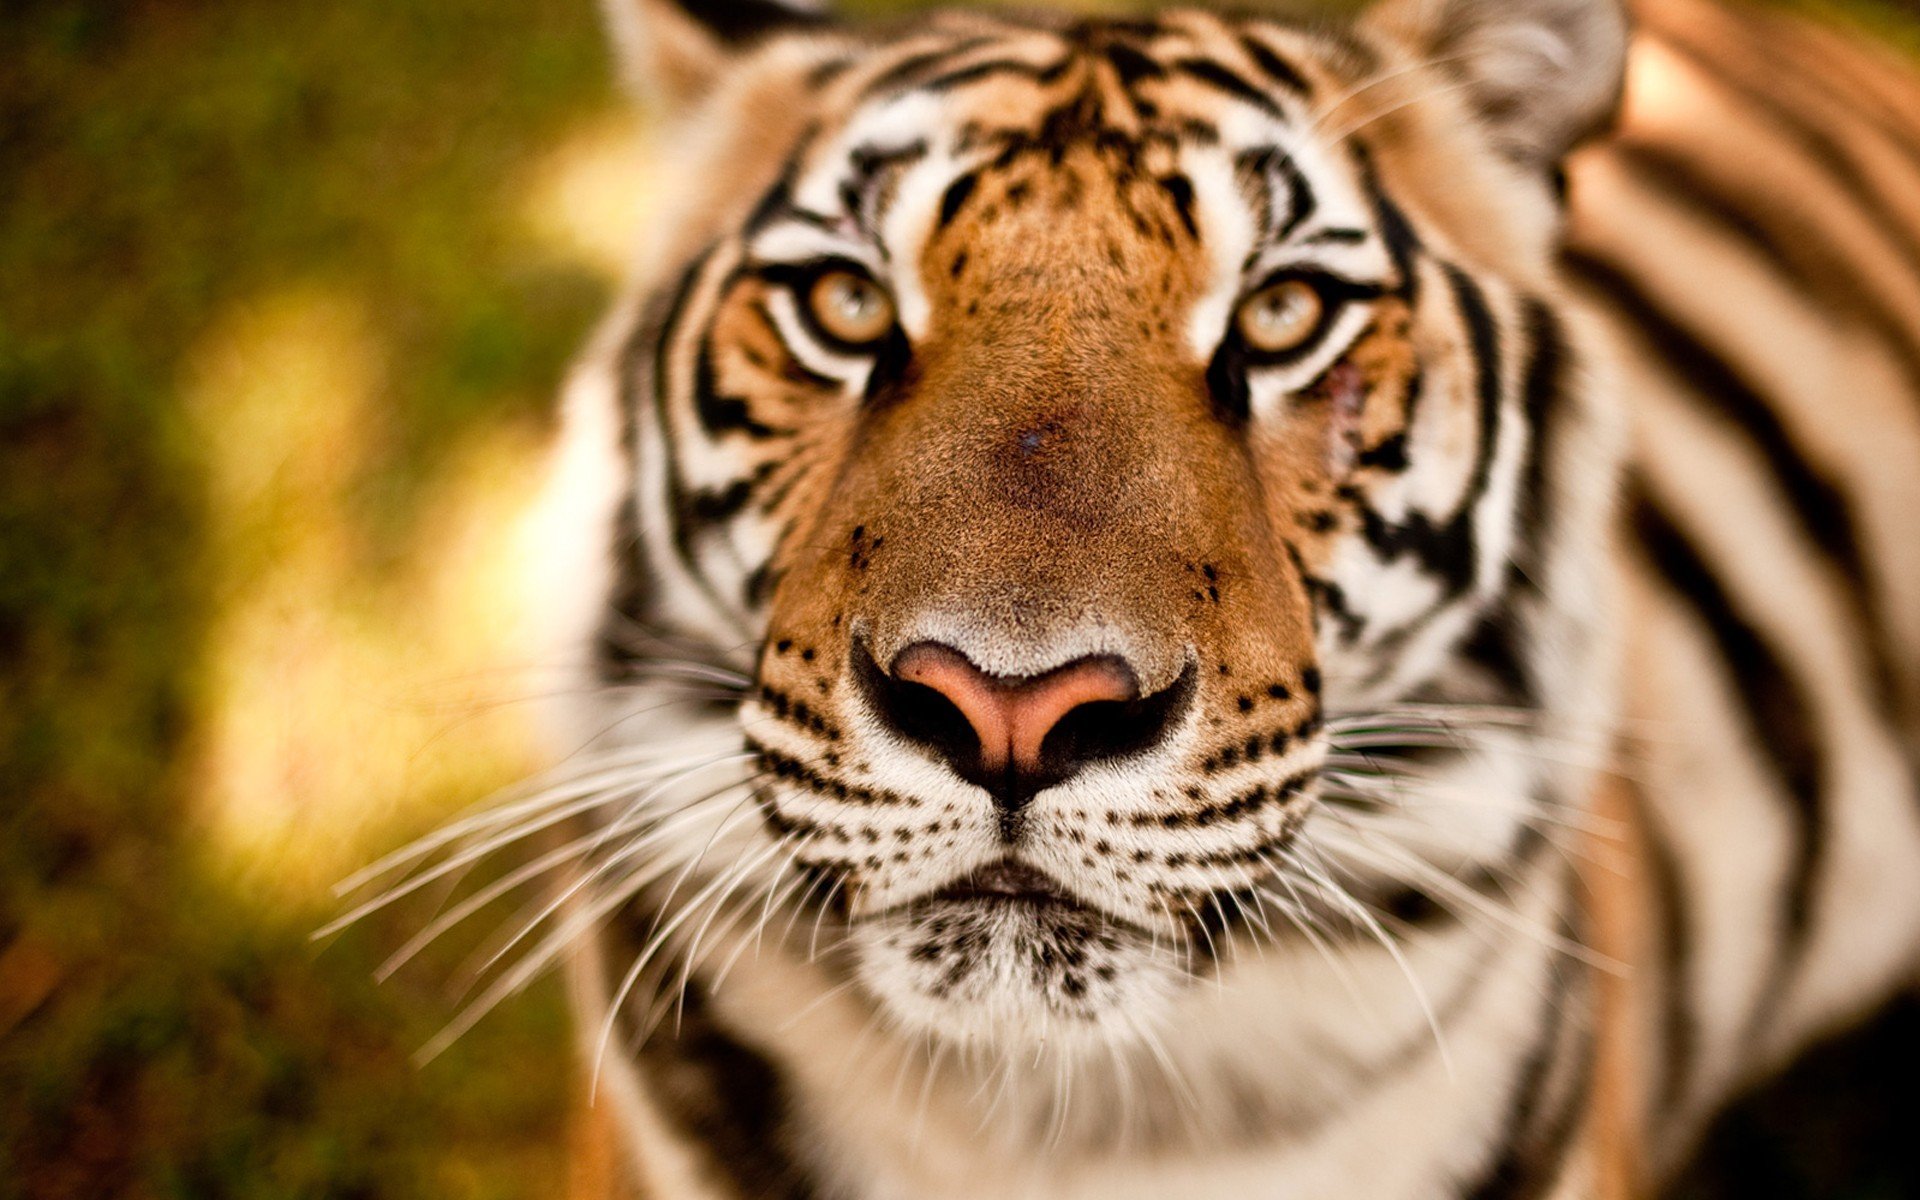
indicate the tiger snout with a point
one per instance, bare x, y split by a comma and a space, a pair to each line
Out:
1015, 736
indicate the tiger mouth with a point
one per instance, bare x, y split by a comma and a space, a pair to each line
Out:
1007, 882
1011, 886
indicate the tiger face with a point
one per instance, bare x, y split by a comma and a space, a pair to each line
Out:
1084, 432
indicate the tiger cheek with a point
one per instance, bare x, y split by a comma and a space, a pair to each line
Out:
1344, 434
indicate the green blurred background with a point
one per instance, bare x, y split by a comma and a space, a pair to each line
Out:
285, 291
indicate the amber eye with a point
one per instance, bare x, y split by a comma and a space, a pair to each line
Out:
1281, 317
850, 308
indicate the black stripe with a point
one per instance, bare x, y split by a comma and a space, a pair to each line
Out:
1132, 64
903, 73
1670, 174
1342, 237
758, 587
643, 357
738, 22
1779, 715
1218, 76
1806, 258
1403, 244
1327, 599
1499, 646
1302, 204
631, 634
868, 197
956, 196
1543, 398
967, 76
1179, 189
797, 469
778, 202
1273, 66
1485, 337
827, 72
1265, 165
1823, 512
1802, 254
1679, 1024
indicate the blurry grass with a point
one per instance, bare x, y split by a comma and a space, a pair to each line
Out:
275, 332
285, 291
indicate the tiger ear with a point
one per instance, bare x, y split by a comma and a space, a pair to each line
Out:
1544, 74
671, 51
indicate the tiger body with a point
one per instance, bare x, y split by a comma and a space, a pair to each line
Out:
1517, 748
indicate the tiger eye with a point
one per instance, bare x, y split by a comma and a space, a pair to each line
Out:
851, 308
1282, 317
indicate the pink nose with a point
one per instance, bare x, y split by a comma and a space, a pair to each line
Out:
1011, 717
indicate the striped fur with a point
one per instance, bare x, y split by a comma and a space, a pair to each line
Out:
1544, 635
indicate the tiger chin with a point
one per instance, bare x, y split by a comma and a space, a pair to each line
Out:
1215, 604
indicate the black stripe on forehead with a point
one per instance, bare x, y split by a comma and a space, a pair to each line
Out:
1128, 46
1277, 69
1218, 75
1041, 73
1132, 64
908, 72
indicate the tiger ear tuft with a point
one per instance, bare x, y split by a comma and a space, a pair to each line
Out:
671, 51
1545, 74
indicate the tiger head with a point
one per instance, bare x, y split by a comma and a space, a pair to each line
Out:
1096, 441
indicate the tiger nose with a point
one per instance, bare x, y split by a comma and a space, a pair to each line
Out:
1016, 736
1011, 718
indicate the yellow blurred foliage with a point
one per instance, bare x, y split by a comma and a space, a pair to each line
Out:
344, 697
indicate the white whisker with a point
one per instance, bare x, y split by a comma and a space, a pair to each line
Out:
654, 943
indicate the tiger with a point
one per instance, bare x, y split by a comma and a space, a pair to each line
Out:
1235, 604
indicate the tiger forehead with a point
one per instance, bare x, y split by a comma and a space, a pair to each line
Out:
1002, 150
988, 89
1131, 84
1143, 63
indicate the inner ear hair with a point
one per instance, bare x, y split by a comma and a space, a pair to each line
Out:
671, 51
1543, 74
